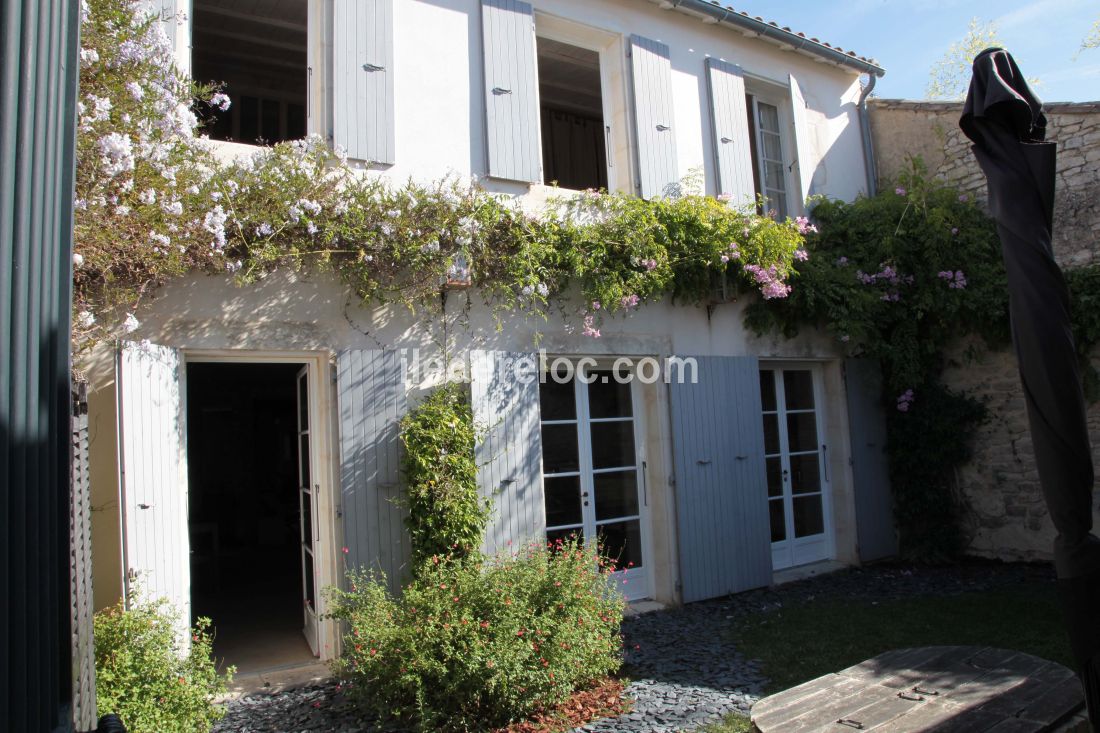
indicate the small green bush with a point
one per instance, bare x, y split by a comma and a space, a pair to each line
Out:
446, 515
143, 675
472, 645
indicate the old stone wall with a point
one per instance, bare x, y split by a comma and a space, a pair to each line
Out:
1007, 518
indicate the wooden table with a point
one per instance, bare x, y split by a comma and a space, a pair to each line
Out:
942, 688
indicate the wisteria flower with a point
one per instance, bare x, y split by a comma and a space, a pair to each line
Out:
78, 259
116, 153
89, 56
135, 90
85, 319
264, 230
905, 400
131, 323
221, 101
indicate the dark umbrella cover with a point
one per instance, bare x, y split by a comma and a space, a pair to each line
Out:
1006, 123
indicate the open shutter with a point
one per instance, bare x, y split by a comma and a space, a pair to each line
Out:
870, 466
505, 396
511, 90
805, 161
153, 475
730, 127
721, 487
651, 73
371, 401
362, 58
167, 10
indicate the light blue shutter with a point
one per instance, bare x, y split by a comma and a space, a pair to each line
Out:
371, 401
362, 61
153, 477
806, 165
721, 487
870, 466
511, 90
505, 395
651, 73
730, 129
166, 11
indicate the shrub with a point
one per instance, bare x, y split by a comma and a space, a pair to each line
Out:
472, 645
143, 674
446, 515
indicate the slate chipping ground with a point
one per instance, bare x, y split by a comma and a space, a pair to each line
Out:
684, 671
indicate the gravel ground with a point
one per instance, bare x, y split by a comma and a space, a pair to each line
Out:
684, 671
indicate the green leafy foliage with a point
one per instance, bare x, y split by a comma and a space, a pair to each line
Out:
471, 645
446, 515
144, 676
897, 278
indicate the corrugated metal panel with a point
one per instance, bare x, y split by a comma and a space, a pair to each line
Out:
721, 487
870, 464
38, 52
152, 459
363, 121
505, 395
371, 399
651, 75
730, 130
806, 163
511, 90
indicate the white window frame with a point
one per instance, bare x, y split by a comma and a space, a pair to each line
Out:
638, 581
613, 73
773, 94
790, 545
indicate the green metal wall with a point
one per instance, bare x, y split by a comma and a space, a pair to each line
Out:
38, 77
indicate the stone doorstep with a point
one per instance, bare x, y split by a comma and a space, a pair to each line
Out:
277, 679
637, 608
801, 572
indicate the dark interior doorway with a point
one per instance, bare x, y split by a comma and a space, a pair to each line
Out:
243, 512
573, 134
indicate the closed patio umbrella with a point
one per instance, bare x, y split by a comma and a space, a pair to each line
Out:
1006, 123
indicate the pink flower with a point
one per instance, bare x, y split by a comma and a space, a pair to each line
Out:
724, 197
801, 255
900, 191
630, 301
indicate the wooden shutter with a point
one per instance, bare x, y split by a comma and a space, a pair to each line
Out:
806, 163
870, 466
721, 487
153, 476
730, 130
651, 74
511, 90
166, 9
362, 61
371, 401
505, 396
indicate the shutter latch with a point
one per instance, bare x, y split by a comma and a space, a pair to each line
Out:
499, 90
373, 67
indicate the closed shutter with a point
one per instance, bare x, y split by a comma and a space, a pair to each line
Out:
651, 74
806, 163
870, 465
371, 401
153, 475
730, 128
362, 59
721, 487
505, 396
167, 10
511, 90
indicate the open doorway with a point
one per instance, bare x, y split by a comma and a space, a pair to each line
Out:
245, 510
574, 154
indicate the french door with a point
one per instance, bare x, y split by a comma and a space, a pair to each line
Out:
796, 461
593, 472
306, 512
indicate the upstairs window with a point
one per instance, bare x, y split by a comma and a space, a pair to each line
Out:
257, 52
769, 168
574, 153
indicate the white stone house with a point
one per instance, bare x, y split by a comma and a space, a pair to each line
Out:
248, 449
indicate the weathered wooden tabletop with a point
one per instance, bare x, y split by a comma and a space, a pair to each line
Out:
943, 688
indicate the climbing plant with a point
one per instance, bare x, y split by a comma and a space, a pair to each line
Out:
155, 201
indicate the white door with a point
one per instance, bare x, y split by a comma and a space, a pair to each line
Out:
307, 511
593, 472
796, 460
153, 476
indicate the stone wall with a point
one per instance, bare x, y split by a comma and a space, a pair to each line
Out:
1008, 518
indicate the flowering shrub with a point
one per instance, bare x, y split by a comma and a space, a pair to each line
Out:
142, 675
446, 515
471, 646
153, 202
896, 278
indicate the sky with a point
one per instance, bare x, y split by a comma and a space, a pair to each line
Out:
907, 37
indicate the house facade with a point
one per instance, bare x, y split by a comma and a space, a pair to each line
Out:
246, 449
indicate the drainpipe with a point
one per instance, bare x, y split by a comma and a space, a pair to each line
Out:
865, 133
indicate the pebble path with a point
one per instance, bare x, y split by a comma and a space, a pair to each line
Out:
684, 669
